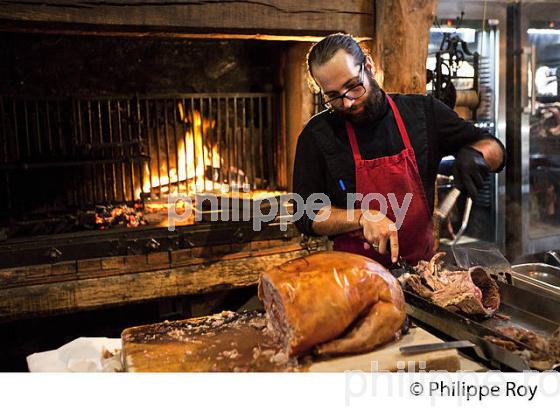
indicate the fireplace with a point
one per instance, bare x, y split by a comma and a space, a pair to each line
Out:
104, 115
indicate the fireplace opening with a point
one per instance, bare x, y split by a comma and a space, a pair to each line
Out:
92, 163
78, 155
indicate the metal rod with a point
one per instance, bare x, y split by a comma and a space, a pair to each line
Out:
235, 140
38, 125
26, 118
65, 164
271, 161
156, 138
93, 167
150, 181
229, 148
184, 137
174, 115
122, 167
166, 139
131, 163
8, 191
113, 165
49, 133
141, 145
193, 133
212, 142
78, 187
16, 136
4, 131
218, 140
100, 123
261, 140
242, 151
59, 127
202, 143
252, 139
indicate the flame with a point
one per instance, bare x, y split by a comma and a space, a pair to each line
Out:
193, 155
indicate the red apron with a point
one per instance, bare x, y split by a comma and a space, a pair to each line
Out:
396, 174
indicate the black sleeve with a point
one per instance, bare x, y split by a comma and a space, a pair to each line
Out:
309, 175
453, 132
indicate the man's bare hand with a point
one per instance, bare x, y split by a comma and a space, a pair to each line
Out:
380, 232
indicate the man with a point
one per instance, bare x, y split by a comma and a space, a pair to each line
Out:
369, 142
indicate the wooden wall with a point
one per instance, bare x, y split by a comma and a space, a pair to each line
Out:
280, 17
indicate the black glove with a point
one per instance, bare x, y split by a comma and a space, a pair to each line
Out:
470, 170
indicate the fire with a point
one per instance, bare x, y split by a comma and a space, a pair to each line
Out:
193, 153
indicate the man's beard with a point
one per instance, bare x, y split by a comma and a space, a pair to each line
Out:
373, 105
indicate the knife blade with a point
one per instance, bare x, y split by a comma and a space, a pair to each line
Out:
431, 347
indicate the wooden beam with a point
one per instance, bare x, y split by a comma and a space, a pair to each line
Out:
60, 297
263, 17
401, 43
298, 101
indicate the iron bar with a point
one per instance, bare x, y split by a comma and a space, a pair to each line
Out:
26, 119
38, 125
100, 123
261, 140
16, 140
122, 167
166, 140
4, 131
148, 140
156, 140
110, 132
193, 135
129, 137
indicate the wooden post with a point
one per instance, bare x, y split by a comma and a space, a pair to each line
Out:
298, 100
401, 43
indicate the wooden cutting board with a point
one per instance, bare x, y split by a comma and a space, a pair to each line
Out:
241, 342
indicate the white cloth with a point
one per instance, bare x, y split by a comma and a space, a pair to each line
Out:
85, 354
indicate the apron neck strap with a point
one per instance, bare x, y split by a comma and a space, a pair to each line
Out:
400, 124
353, 142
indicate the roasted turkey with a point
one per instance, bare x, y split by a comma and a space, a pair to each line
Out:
332, 302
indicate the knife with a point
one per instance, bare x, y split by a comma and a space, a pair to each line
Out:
431, 347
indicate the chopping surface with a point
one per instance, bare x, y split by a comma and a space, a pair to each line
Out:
242, 342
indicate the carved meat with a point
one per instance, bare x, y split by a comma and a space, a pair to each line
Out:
337, 302
472, 292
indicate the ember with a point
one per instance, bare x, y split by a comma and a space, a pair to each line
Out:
108, 216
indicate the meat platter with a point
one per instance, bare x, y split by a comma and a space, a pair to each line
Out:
523, 308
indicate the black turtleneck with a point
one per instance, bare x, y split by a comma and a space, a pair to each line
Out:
324, 162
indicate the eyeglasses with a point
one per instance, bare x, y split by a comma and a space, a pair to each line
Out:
352, 93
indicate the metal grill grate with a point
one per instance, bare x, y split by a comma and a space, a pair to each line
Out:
60, 153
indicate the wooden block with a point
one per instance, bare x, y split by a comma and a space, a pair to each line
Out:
217, 250
159, 258
37, 271
240, 247
89, 265
181, 255
201, 252
64, 268
7, 276
159, 354
257, 245
113, 262
136, 261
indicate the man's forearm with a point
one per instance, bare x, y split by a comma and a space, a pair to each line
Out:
491, 151
339, 221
